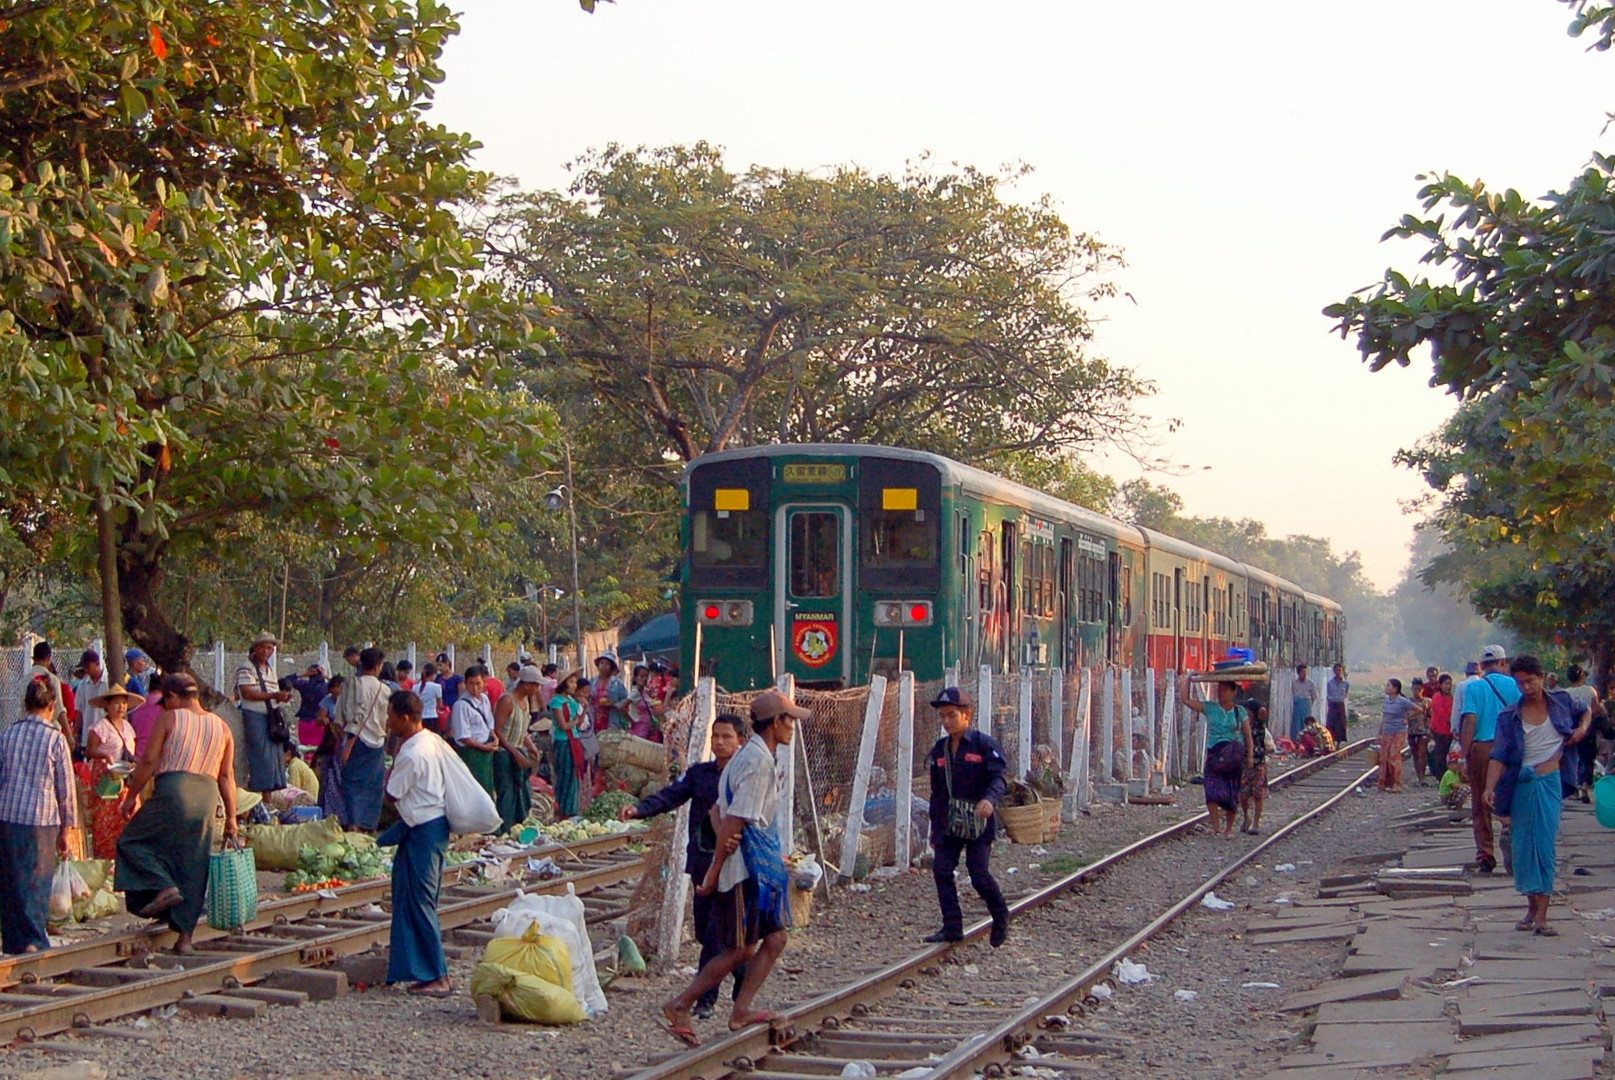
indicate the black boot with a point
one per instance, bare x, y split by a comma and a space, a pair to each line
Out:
943, 935
1000, 933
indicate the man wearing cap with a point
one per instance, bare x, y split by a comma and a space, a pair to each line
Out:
137, 669
90, 691
45, 668
1485, 697
751, 909
258, 690
967, 780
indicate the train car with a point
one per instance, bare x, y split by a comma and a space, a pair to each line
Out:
833, 562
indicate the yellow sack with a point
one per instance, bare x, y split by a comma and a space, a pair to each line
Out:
525, 997
275, 846
535, 954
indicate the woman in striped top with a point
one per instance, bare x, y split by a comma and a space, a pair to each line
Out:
163, 853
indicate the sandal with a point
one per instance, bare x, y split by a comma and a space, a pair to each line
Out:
1546, 931
677, 1024
1525, 924
761, 1016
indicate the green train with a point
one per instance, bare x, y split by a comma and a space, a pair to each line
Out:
835, 562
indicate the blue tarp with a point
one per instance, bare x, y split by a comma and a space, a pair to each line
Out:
660, 635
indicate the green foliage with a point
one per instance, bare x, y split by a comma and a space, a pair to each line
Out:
1060, 475
233, 281
700, 309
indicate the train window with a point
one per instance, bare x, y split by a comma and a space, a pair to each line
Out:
728, 540
815, 555
1029, 582
1127, 595
899, 539
1050, 585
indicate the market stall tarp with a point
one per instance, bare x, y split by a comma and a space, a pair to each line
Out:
660, 636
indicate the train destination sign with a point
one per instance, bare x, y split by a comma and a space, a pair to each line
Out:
813, 473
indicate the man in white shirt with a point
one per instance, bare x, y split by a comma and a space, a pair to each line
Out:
417, 788
471, 726
92, 686
362, 713
748, 918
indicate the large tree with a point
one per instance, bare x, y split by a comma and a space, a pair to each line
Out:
700, 308
233, 280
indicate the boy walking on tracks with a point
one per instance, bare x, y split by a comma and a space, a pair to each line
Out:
967, 780
751, 908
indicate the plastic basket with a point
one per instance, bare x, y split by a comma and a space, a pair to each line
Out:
1025, 824
1604, 801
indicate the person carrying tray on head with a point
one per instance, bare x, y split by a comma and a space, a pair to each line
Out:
967, 782
1229, 751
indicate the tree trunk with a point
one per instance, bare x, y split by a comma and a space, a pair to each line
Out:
111, 607
143, 614
1602, 655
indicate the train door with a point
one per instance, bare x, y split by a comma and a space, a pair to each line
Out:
969, 597
1116, 613
1206, 629
813, 592
1064, 609
1007, 601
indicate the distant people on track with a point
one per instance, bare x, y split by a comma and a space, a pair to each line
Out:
750, 890
416, 786
968, 779
1526, 775
258, 690
1441, 732
571, 760
38, 805
1336, 691
1229, 750
362, 714
1418, 721
517, 756
1303, 701
1393, 734
646, 705
311, 687
699, 787
1316, 740
1253, 781
327, 755
1485, 697
162, 863
607, 696
1586, 751
434, 714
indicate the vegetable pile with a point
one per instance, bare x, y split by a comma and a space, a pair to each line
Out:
574, 830
334, 865
607, 805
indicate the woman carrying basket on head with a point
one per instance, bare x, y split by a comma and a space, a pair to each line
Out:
1229, 751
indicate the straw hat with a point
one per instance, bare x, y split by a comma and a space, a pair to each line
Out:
115, 693
265, 638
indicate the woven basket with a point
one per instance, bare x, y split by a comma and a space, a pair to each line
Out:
621, 748
1025, 824
801, 907
1051, 828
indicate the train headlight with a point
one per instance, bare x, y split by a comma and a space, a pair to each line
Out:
725, 612
902, 614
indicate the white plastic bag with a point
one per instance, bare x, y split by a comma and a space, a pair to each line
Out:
66, 886
807, 874
562, 917
468, 807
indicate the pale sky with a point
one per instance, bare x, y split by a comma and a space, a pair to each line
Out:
1247, 156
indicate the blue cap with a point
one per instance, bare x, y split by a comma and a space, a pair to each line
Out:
134, 654
952, 695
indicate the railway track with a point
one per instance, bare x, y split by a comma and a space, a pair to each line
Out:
910, 1015
122, 974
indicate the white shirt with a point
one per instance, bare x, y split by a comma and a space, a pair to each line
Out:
416, 782
363, 709
431, 695
748, 788
257, 678
472, 719
87, 691
1542, 741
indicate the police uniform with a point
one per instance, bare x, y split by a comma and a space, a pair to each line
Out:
978, 769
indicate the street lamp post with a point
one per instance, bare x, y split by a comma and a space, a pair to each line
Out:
553, 501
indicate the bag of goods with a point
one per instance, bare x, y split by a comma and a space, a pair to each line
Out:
277, 847
232, 889
469, 808
525, 997
534, 953
102, 904
559, 917
66, 886
621, 748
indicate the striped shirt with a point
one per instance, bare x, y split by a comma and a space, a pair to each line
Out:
36, 774
195, 744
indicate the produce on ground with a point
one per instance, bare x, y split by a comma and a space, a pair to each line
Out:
333, 865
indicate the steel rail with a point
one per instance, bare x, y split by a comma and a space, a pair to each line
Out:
110, 948
740, 1051
1001, 1043
246, 964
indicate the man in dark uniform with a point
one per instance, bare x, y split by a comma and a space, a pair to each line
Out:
967, 780
699, 787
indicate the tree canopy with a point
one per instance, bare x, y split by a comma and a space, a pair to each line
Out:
703, 308
233, 281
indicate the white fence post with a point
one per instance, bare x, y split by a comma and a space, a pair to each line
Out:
1107, 736
984, 700
414, 661
1023, 754
699, 747
950, 676
1057, 715
785, 764
905, 769
1149, 724
1127, 725
453, 667
325, 658
221, 681
1077, 782
860, 777
1169, 726
487, 656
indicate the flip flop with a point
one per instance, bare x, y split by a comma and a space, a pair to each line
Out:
761, 1016
1546, 931
421, 991
168, 898
684, 1033
1525, 924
